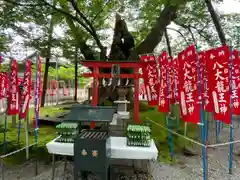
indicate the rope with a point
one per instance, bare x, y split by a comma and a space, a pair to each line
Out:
184, 137
14, 152
224, 144
191, 140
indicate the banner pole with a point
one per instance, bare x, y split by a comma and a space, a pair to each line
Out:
201, 118
231, 115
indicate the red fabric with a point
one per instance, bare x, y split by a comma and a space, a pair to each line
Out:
19, 81
13, 106
171, 80
25, 95
218, 68
176, 79
163, 103
64, 89
235, 81
69, 88
54, 84
189, 103
150, 77
3, 85
141, 89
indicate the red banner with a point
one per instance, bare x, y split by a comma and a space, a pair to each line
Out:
202, 60
170, 79
163, 103
206, 94
176, 79
19, 81
235, 82
26, 92
219, 82
189, 105
3, 85
12, 105
150, 77
69, 88
64, 89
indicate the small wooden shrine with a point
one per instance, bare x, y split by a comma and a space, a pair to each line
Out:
96, 75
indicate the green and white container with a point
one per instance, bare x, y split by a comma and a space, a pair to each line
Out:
67, 131
138, 135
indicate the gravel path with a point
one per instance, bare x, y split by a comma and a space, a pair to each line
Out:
188, 168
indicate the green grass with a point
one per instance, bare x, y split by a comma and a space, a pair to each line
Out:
160, 135
45, 134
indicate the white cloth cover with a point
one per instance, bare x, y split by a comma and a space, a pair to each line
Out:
118, 146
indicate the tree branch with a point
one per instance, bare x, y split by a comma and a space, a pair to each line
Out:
207, 24
20, 4
70, 16
154, 37
180, 34
188, 27
190, 31
216, 21
94, 34
202, 35
95, 17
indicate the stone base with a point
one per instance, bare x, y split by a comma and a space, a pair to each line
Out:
123, 115
114, 120
117, 127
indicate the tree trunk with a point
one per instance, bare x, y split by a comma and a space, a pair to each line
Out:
216, 22
45, 80
76, 74
123, 50
147, 46
47, 63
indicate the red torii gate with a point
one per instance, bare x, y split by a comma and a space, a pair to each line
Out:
109, 64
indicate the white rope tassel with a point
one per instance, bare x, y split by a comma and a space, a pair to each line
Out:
127, 82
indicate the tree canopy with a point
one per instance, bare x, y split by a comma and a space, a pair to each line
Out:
78, 30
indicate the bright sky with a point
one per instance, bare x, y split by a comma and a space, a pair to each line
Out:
230, 6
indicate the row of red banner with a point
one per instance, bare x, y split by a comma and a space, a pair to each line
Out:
179, 80
53, 88
18, 99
